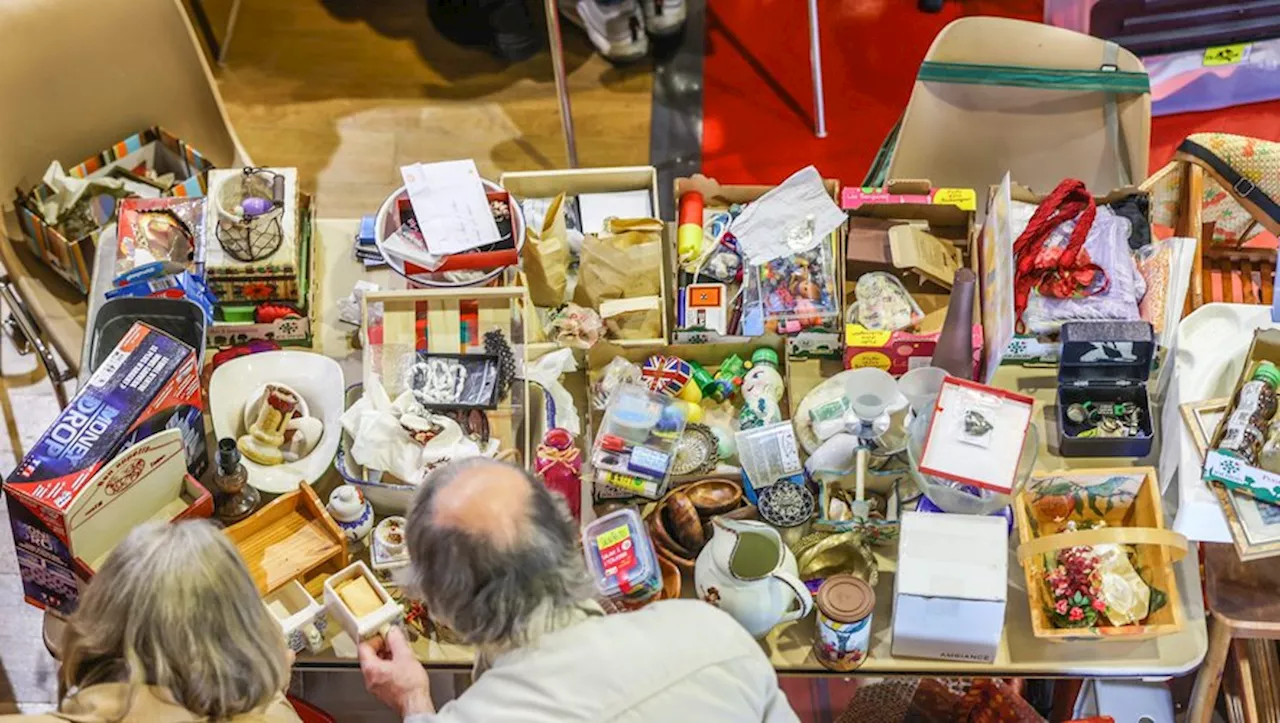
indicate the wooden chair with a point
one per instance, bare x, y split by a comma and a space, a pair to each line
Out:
79, 76
1222, 272
1243, 600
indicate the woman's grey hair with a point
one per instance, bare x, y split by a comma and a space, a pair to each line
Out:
492, 595
174, 606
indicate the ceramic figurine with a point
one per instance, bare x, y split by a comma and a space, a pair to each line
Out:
236, 499
301, 435
352, 512
389, 551
746, 571
762, 390
266, 434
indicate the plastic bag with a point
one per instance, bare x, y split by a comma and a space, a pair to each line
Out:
1108, 246
884, 304
1154, 262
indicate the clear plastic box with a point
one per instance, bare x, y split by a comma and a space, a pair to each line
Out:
637, 440
621, 558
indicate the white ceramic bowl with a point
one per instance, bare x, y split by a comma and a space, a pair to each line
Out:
386, 224
316, 377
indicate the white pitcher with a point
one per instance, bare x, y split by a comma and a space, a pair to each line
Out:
746, 571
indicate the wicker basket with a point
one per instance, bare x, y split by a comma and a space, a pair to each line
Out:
1131, 519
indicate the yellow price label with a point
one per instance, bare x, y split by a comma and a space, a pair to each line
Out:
612, 537
965, 199
1225, 55
625, 482
859, 335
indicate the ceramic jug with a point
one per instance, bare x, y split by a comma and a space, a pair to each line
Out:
746, 571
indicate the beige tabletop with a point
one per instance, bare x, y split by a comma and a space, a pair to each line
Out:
788, 645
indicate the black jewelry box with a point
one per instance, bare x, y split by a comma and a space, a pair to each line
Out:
1105, 362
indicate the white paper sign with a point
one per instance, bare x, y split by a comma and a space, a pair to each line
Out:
764, 227
449, 202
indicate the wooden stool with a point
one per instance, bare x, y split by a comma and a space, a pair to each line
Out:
1244, 601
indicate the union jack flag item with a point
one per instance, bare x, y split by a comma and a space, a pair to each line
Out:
665, 374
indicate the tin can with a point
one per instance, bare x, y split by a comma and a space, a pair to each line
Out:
843, 632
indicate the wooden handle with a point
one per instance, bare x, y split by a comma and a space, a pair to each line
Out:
1103, 536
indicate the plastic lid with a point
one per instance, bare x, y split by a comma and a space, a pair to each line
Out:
846, 598
1267, 372
620, 556
764, 354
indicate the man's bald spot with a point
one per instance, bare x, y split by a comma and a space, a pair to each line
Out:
491, 500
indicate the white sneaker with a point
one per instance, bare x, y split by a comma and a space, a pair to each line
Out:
616, 28
663, 17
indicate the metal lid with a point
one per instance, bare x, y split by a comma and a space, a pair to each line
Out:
846, 598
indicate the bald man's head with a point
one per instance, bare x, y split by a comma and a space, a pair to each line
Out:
485, 498
492, 550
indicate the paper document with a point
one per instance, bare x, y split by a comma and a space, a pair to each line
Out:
774, 225
449, 201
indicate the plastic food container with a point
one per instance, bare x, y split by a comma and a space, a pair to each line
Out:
621, 558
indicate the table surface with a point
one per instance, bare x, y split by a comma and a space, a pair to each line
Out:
788, 645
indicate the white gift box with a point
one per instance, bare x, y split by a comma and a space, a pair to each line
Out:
949, 591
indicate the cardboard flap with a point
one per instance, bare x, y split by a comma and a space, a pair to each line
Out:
964, 557
915, 248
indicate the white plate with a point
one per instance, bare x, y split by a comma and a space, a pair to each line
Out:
316, 377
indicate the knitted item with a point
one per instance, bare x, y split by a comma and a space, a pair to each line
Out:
1057, 272
1257, 162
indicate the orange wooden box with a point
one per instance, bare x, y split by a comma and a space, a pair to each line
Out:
290, 538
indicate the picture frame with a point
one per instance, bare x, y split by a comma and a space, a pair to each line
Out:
1254, 524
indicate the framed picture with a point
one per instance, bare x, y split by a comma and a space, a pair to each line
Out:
1254, 525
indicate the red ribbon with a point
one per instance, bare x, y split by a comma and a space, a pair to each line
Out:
1057, 273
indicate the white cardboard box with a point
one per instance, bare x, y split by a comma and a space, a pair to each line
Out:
949, 592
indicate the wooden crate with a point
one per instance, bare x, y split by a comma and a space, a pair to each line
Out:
1138, 521
573, 181
440, 321
290, 538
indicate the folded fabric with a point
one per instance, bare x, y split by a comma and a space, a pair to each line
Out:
1122, 286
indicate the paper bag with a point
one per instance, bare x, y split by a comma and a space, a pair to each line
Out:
622, 265
546, 258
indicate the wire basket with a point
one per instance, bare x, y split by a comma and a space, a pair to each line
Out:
249, 209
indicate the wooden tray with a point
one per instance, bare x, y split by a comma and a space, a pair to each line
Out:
1138, 522
290, 538
436, 320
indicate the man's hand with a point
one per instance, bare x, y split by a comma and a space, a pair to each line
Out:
395, 677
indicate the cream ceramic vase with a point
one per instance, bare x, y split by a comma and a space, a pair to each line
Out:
746, 571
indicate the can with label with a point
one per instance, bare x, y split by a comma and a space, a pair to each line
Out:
842, 638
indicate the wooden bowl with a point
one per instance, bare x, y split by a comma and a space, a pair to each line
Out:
661, 540
671, 577
713, 496
684, 563
681, 521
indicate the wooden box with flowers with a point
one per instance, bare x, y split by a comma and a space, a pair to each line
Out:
1097, 557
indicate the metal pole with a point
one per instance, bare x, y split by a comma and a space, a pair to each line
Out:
556, 46
815, 61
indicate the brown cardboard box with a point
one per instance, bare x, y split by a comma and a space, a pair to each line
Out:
574, 181
818, 344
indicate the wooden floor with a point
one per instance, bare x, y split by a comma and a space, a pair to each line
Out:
349, 90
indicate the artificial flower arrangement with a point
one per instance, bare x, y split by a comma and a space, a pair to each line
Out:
1099, 562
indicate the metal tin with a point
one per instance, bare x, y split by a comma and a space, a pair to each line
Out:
843, 640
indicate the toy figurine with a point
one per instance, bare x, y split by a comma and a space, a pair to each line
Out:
266, 434
762, 389
727, 379
352, 512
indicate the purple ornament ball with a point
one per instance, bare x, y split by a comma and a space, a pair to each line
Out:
255, 206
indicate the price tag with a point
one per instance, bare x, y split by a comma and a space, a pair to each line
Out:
1226, 55
965, 199
612, 537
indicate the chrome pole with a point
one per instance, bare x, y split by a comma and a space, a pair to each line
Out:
556, 45
815, 61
